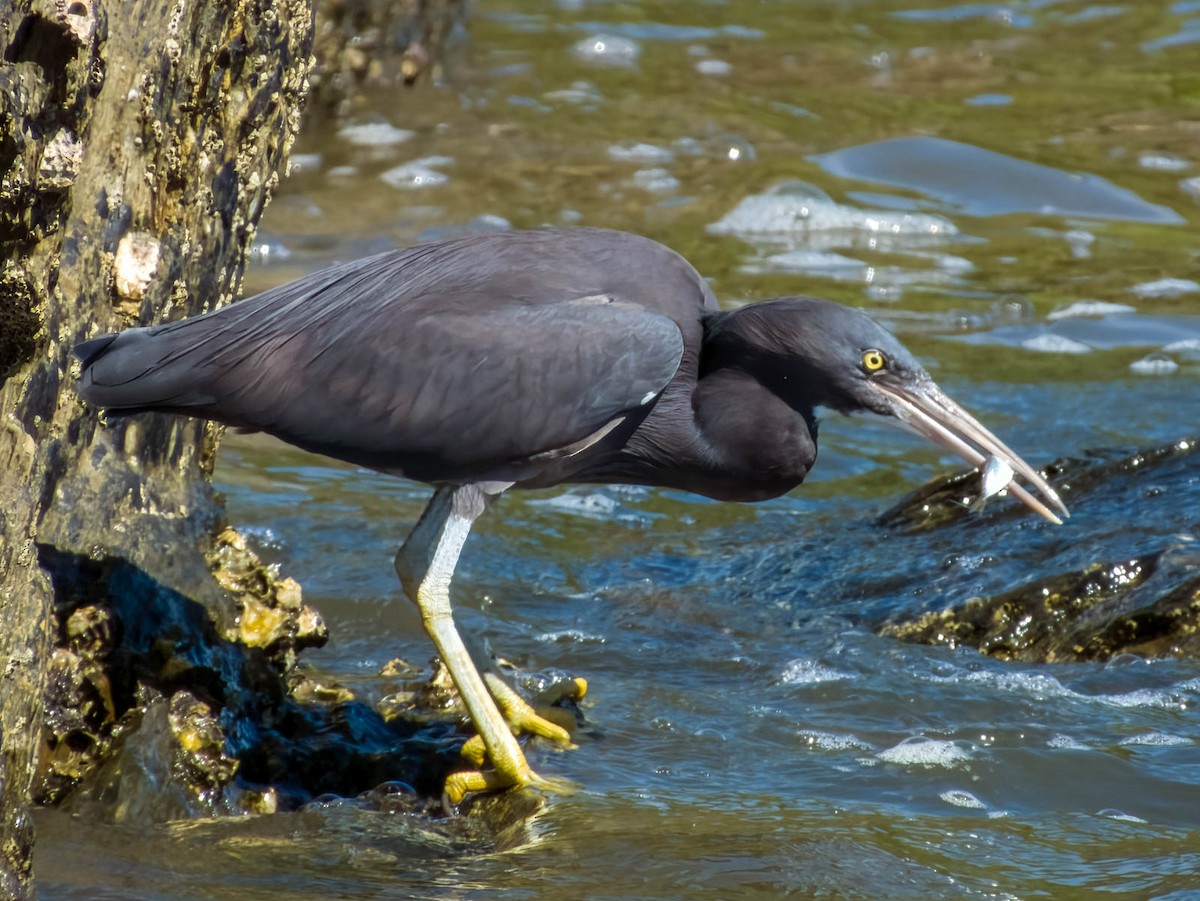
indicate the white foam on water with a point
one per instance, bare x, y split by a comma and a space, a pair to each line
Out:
1157, 740
1154, 364
1158, 161
421, 173
633, 152
925, 752
1089, 308
1188, 349
1062, 742
713, 67
607, 50
1055, 344
571, 636
805, 671
816, 262
1043, 687
656, 180
960, 798
796, 207
593, 505
580, 93
375, 134
1166, 287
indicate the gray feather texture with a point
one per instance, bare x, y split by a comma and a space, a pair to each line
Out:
447, 361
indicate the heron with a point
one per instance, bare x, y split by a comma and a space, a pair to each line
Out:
528, 359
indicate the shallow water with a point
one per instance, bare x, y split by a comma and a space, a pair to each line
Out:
748, 734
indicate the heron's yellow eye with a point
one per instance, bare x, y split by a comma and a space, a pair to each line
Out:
874, 360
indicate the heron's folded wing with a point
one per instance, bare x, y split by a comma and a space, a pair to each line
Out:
463, 354
449, 395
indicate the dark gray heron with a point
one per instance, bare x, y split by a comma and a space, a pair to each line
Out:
523, 360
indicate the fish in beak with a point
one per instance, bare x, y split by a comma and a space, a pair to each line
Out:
921, 406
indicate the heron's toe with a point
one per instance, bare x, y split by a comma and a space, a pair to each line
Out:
459, 785
571, 689
548, 722
522, 718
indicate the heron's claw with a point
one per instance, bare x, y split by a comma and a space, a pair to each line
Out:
459, 785
540, 718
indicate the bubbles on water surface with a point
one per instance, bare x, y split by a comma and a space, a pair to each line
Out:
656, 180
804, 671
580, 93
1083, 308
420, 173
919, 751
1154, 364
1166, 287
960, 798
1062, 742
796, 207
571, 636
1157, 740
715, 67
1055, 344
607, 50
1188, 349
820, 740
375, 134
1162, 162
638, 152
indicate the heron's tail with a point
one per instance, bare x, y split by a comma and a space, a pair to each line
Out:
140, 369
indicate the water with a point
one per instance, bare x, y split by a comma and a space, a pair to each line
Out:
748, 732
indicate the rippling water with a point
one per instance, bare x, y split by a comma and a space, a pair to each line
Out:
1011, 187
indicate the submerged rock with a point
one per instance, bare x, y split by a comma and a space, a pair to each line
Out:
1146, 604
160, 708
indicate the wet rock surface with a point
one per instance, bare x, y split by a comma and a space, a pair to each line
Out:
159, 710
1146, 604
162, 709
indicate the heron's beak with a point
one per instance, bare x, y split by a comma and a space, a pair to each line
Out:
925, 409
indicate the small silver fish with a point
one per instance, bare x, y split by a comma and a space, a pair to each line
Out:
995, 476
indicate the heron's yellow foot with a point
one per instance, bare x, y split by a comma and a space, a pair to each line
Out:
459, 785
523, 718
545, 704
545, 720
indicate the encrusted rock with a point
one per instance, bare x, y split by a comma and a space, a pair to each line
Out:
61, 161
201, 742
135, 263
272, 613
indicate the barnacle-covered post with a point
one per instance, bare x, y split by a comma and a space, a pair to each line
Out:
139, 143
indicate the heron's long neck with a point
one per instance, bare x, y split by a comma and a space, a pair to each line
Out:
761, 443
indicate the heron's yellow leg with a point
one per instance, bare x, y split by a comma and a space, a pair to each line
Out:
425, 564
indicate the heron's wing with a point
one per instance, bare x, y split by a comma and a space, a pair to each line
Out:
441, 378
457, 395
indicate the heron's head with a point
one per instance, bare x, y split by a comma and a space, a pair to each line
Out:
821, 353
